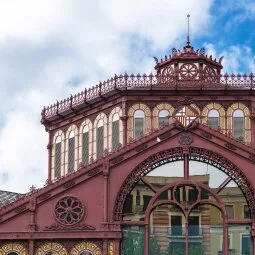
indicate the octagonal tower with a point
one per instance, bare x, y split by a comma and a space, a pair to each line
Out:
187, 65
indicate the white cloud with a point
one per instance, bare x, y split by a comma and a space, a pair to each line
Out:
237, 58
28, 19
49, 49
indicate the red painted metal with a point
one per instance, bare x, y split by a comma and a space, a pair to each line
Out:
148, 82
89, 184
186, 209
101, 188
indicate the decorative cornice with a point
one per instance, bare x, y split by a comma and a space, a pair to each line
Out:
59, 227
132, 82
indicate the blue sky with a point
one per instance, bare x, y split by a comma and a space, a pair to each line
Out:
50, 49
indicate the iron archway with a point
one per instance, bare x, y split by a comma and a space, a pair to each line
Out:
176, 154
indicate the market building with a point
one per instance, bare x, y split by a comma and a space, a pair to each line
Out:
145, 164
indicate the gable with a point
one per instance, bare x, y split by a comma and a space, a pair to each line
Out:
102, 182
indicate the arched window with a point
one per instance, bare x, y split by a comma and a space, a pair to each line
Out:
139, 118
58, 153
85, 145
163, 118
100, 138
85, 142
213, 119
238, 124
210, 226
51, 249
13, 249
86, 248
139, 121
85, 253
115, 131
71, 151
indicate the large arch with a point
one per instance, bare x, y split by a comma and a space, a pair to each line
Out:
176, 154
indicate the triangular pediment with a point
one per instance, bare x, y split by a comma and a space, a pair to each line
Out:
172, 136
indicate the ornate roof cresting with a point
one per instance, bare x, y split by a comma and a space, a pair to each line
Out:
166, 81
182, 69
187, 55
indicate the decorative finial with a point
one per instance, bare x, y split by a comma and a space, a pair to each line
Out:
188, 42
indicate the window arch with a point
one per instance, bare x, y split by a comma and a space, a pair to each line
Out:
71, 157
86, 248
51, 249
139, 123
13, 249
115, 129
238, 122
144, 124
100, 139
85, 142
100, 136
163, 118
213, 115
57, 157
213, 120
162, 114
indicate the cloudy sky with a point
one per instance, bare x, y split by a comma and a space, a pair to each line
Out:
52, 48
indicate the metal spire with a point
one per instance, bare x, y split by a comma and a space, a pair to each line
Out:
188, 42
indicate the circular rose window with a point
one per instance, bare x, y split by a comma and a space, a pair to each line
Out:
69, 210
188, 71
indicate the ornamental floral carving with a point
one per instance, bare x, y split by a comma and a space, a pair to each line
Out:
210, 73
185, 139
85, 247
167, 74
57, 227
51, 248
13, 248
69, 210
188, 71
